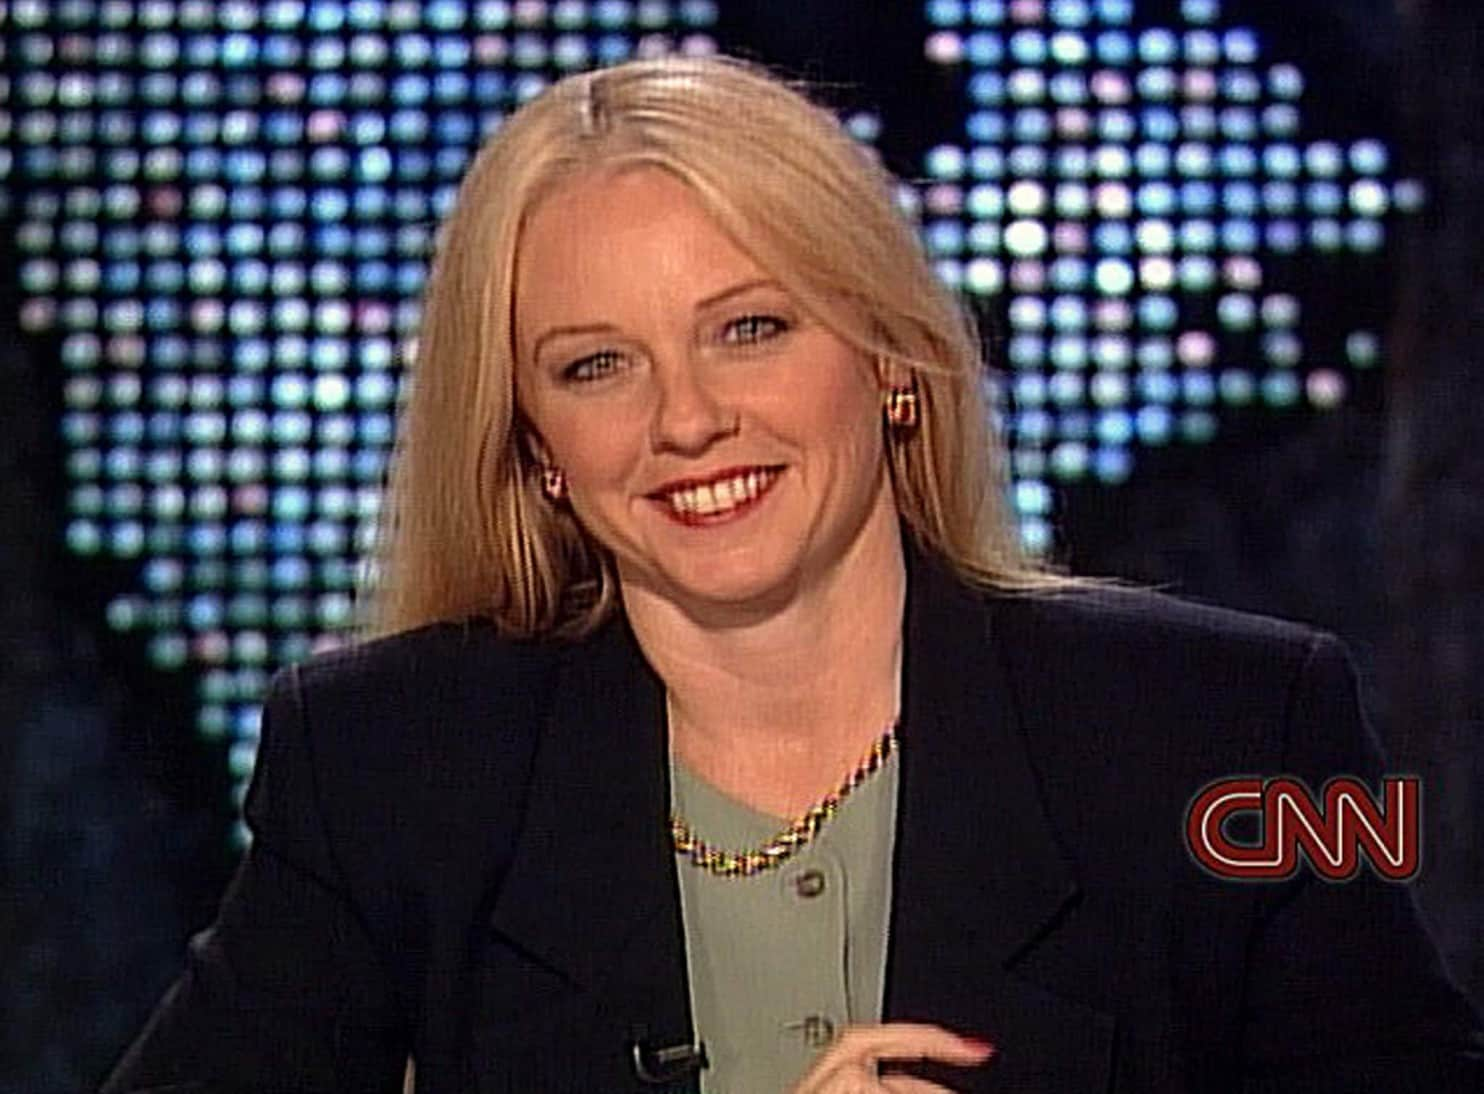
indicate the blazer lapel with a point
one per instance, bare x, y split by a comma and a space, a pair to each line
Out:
979, 878
591, 891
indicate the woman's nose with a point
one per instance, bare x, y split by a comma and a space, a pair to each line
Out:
689, 415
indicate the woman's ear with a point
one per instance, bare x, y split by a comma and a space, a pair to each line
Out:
529, 442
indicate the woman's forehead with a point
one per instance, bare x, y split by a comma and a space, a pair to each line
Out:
607, 229
618, 235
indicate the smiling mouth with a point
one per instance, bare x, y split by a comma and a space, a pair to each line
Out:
716, 498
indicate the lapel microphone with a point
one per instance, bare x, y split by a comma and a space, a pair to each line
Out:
660, 1065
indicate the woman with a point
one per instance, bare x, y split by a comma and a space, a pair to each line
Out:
696, 528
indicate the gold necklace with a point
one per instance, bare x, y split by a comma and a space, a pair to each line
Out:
786, 843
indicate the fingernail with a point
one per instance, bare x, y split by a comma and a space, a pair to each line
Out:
980, 1046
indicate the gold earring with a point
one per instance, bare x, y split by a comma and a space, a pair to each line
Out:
553, 483
899, 405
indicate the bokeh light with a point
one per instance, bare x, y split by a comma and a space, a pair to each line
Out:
1162, 169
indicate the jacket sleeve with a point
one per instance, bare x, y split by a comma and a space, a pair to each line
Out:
285, 990
1345, 990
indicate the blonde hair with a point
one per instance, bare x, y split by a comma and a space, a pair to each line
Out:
466, 531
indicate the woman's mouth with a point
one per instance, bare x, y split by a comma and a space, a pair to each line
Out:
718, 497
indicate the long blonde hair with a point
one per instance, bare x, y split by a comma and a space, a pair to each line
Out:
466, 531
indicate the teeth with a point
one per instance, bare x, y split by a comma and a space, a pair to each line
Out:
722, 496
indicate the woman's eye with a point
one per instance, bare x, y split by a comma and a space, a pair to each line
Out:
748, 329
595, 366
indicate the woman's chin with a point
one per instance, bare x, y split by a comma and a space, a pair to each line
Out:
721, 589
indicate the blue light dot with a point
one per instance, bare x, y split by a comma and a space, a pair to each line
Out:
1154, 423
986, 127
1114, 47
1068, 352
1153, 160
1283, 236
1240, 46
1236, 387
1368, 198
1281, 389
1067, 389
1031, 125
1365, 236
1033, 498
1157, 84
1198, 388
1158, 46
1069, 460
946, 161
1198, 236
1028, 47
1368, 157
1326, 235
1074, 424
1069, 49
987, 88
1026, 85
1409, 195
1197, 426
945, 13
1285, 81
1194, 159
1157, 312
1112, 464
1363, 349
1110, 389
1035, 536
1283, 348
984, 49
1280, 120
1237, 312
1200, 11
1026, 351
1113, 276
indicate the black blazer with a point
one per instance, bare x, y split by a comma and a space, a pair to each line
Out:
461, 853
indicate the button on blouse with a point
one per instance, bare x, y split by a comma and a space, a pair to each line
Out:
780, 962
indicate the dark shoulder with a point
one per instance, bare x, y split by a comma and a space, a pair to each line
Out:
437, 695
1131, 676
384, 736
1123, 629
437, 663
1130, 701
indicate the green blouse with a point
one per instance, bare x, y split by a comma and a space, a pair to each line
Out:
780, 962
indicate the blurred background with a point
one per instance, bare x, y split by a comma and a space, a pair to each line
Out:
1227, 257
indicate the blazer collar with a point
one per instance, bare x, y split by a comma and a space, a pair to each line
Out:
979, 878
596, 834
972, 829
592, 891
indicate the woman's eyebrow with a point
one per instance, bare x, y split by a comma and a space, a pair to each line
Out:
735, 290
557, 332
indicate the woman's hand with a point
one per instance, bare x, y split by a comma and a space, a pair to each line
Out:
852, 1063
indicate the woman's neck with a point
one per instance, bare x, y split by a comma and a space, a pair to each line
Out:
777, 710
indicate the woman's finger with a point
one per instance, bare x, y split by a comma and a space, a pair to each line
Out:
907, 1084
858, 1080
851, 1063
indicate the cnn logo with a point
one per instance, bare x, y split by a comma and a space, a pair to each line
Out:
1332, 836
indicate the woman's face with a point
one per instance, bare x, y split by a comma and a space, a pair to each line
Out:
722, 443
